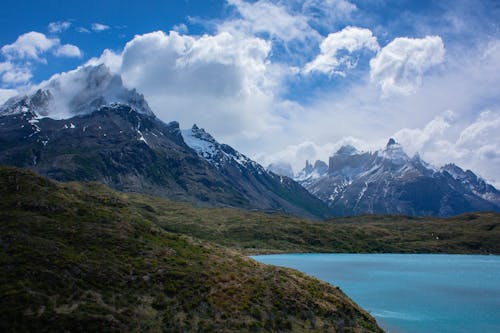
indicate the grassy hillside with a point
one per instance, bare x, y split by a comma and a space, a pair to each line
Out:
83, 258
253, 232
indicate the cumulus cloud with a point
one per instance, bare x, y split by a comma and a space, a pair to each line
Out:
416, 139
350, 39
99, 27
29, 45
32, 45
472, 145
29, 48
181, 28
265, 17
15, 74
57, 27
214, 80
484, 131
68, 50
400, 65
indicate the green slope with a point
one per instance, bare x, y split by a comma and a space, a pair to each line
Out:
254, 233
83, 258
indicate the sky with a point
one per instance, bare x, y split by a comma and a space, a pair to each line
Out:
285, 80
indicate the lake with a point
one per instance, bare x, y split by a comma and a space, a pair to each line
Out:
412, 292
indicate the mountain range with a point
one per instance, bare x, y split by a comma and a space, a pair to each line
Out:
388, 181
85, 125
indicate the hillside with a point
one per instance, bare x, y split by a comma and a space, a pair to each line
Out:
255, 233
84, 258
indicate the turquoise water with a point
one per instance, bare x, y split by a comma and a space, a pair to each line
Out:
421, 293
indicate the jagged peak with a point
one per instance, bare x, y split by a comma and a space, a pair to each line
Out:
320, 164
395, 152
81, 91
312, 171
214, 152
200, 134
347, 150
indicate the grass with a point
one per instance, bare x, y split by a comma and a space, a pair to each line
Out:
80, 257
258, 233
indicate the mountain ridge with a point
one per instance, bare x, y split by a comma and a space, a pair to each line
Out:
388, 181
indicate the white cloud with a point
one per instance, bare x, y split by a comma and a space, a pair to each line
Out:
17, 75
400, 65
83, 30
57, 27
99, 27
68, 50
29, 45
311, 151
14, 74
472, 145
5, 94
28, 50
112, 60
222, 82
416, 139
484, 131
265, 17
350, 39
181, 28
326, 13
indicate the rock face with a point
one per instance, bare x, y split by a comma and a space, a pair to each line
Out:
388, 181
86, 126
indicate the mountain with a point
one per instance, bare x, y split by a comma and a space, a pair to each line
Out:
388, 181
86, 126
82, 258
265, 189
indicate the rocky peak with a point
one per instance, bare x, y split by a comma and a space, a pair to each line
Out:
78, 92
391, 142
395, 153
319, 169
347, 150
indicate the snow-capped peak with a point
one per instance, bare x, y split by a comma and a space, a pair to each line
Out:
311, 172
77, 92
202, 142
394, 152
215, 153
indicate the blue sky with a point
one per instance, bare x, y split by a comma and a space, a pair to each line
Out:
285, 80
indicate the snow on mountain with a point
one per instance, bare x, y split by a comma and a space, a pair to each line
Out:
215, 153
389, 181
311, 172
74, 93
394, 152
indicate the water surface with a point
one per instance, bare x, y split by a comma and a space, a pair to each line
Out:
412, 292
